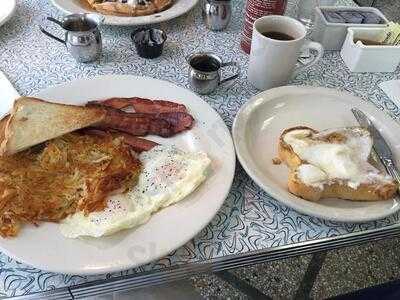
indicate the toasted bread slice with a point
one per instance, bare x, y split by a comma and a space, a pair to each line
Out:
364, 192
371, 191
33, 121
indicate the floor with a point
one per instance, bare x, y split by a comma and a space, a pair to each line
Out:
319, 276
310, 277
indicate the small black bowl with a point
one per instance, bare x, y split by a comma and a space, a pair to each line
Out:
149, 43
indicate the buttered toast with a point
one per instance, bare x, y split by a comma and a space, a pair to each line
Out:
33, 121
333, 164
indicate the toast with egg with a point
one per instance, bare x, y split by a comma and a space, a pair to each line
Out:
33, 121
333, 163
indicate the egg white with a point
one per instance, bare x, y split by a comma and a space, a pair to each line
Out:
168, 176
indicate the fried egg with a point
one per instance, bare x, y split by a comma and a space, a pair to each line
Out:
338, 154
168, 176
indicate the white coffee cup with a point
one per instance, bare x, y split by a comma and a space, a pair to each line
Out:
273, 61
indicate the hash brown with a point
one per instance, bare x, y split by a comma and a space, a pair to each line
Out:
52, 180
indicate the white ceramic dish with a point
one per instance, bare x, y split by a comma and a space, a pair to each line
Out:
332, 35
327, 2
262, 119
179, 8
168, 229
361, 58
7, 10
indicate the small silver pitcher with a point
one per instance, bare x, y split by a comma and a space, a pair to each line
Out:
205, 72
217, 14
82, 36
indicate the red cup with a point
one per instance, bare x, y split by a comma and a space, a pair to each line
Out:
256, 9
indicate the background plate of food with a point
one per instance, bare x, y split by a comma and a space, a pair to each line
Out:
7, 9
129, 12
117, 201
313, 131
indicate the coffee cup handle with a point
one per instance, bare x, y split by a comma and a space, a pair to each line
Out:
48, 33
309, 45
227, 64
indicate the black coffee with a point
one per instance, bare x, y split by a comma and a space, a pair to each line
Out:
275, 35
205, 64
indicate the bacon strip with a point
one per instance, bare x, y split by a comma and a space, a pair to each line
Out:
135, 124
142, 105
137, 144
180, 120
141, 124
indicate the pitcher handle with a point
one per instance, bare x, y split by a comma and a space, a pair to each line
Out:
234, 64
48, 33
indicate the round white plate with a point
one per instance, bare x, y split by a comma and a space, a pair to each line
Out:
45, 248
261, 121
7, 9
179, 8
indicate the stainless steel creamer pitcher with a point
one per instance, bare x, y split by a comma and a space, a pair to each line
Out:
82, 36
205, 72
217, 14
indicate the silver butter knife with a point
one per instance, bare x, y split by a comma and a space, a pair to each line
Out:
8, 95
381, 147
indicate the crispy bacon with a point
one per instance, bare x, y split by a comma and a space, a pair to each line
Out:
137, 144
180, 120
141, 124
142, 105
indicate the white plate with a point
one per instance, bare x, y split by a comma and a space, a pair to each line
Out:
7, 9
179, 8
168, 229
262, 119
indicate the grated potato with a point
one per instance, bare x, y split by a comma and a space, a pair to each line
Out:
70, 173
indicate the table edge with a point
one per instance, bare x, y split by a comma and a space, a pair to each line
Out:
150, 278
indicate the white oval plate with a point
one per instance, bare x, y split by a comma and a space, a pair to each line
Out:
261, 121
45, 248
7, 9
179, 8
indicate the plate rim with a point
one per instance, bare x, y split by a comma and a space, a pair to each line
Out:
113, 268
133, 21
238, 126
10, 14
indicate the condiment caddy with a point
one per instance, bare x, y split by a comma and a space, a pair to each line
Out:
331, 32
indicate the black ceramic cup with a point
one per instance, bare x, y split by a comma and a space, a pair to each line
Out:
149, 43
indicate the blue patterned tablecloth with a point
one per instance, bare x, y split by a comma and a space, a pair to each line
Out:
250, 219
